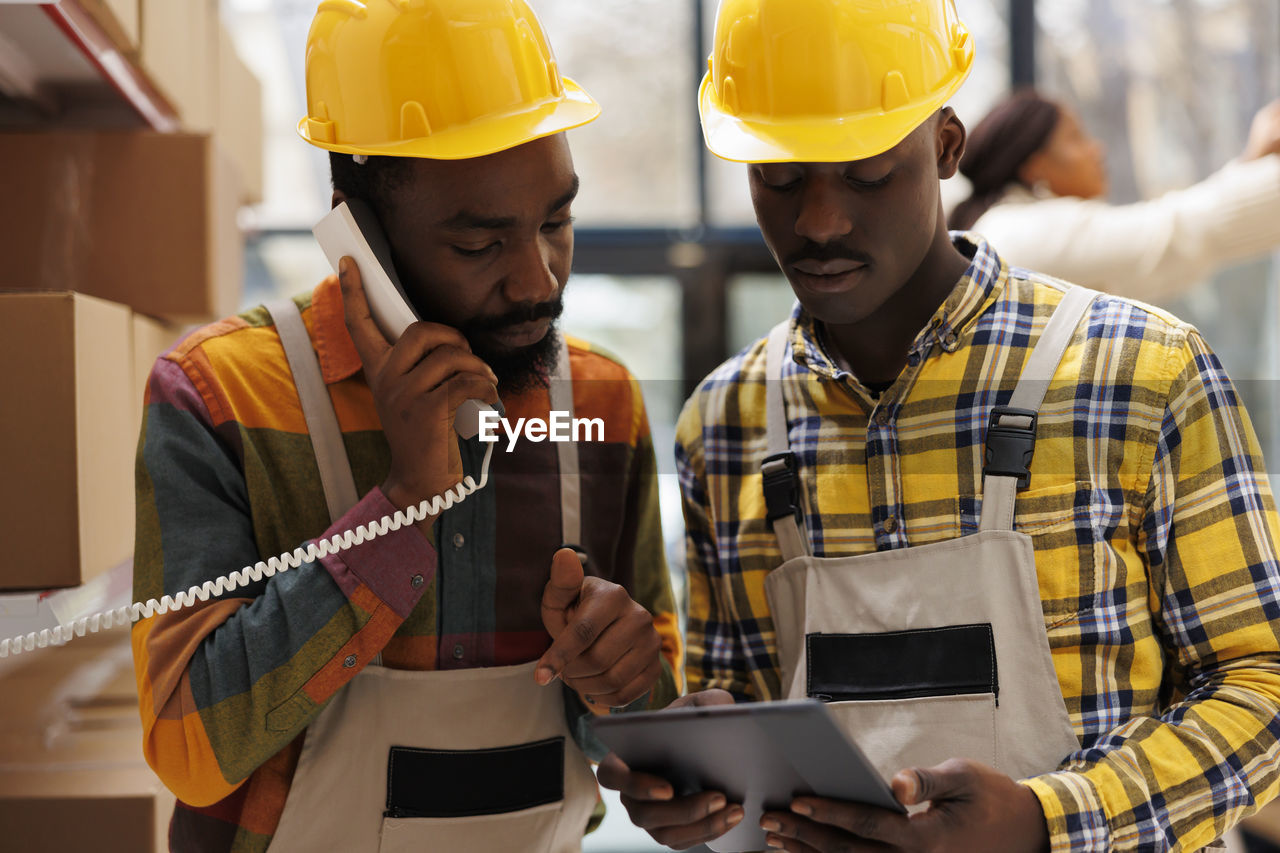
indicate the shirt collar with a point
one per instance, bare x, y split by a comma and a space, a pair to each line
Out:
980, 285
338, 357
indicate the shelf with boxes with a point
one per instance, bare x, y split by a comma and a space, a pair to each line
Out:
119, 229
75, 61
163, 65
130, 137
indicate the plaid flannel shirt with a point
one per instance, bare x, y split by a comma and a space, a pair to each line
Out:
1152, 520
226, 476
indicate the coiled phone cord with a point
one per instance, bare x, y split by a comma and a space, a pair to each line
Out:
130, 613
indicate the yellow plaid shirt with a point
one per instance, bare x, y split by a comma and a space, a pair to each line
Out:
1153, 523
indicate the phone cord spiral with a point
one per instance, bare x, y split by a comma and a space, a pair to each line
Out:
312, 551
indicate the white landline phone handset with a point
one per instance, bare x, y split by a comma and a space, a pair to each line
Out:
350, 229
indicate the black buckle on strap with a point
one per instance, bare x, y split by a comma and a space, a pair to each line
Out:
779, 480
1009, 447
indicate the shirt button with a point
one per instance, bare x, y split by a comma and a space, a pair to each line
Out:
890, 524
458, 652
950, 341
415, 581
882, 417
459, 540
350, 661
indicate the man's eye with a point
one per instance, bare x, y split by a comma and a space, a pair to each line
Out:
558, 225
467, 252
779, 183
868, 185
779, 180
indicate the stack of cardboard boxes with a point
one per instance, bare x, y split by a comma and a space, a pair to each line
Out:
112, 241
71, 773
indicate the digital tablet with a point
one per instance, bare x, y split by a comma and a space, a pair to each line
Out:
759, 754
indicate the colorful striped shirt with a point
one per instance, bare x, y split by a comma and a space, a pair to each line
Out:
1153, 524
226, 476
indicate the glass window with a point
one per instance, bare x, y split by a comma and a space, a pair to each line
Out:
757, 303
279, 265
637, 318
635, 57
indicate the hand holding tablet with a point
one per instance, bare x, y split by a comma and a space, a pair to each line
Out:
760, 755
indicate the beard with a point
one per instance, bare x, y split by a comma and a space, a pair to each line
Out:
521, 368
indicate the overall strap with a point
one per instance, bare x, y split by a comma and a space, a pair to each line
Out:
1011, 432
317, 408
561, 388
780, 476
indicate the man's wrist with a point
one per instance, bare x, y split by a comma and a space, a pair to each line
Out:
401, 499
1032, 824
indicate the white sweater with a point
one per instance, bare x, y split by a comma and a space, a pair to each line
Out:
1152, 250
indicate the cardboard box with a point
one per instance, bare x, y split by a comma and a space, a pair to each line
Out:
144, 219
107, 810
119, 19
240, 125
59, 698
72, 773
179, 51
67, 438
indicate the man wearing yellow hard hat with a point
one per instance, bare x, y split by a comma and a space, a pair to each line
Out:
1017, 534
425, 689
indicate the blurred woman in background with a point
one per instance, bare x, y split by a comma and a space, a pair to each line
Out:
1039, 181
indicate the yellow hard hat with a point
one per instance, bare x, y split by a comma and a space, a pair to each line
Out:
442, 79
828, 80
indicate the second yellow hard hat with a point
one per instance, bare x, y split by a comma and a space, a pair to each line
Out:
441, 79
828, 80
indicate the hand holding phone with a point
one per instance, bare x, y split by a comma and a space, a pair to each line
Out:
420, 376
351, 230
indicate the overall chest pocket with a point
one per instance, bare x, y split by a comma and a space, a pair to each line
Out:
1062, 521
910, 698
477, 800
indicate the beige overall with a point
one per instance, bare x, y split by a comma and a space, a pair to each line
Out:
389, 725
935, 651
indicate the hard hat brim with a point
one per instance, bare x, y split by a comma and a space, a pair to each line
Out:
819, 140
481, 138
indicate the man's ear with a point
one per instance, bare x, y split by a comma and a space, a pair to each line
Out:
951, 137
338, 198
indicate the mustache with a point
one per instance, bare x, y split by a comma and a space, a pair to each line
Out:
812, 251
520, 314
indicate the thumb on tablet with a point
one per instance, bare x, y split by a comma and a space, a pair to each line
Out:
944, 781
713, 696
